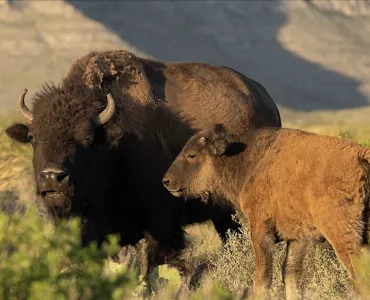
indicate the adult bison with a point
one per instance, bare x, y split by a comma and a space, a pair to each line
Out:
105, 136
290, 184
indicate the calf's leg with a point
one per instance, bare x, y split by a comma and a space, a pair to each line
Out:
263, 242
345, 251
346, 248
293, 267
342, 226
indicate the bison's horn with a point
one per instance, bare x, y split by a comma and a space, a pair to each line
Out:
108, 112
22, 108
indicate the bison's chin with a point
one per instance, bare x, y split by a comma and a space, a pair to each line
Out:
58, 203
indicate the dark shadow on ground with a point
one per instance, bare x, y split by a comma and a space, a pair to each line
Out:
239, 34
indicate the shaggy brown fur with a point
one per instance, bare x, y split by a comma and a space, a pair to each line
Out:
113, 172
297, 185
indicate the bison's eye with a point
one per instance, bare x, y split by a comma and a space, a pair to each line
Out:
31, 138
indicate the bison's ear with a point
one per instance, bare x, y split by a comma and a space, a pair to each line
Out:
19, 133
219, 130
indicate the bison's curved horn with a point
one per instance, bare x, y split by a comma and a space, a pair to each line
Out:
108, 112
22, 108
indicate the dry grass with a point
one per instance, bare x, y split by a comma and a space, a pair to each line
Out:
324, 276
231, 267
358, 132
16, 179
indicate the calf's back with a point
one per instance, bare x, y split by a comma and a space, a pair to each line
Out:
298, 178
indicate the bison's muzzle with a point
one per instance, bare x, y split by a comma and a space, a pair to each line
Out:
53, 182
53, 174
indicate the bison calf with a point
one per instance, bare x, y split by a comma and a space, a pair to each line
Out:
292, 184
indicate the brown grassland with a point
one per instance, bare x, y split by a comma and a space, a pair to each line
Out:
231, 268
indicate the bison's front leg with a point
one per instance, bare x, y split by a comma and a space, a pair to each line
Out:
226, 222
263, 242
293, 267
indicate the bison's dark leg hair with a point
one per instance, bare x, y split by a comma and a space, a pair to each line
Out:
263, 242
293, 267
224, 223
197, 211
166, 249
142, 249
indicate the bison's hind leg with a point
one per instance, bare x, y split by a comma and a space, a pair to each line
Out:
168, 249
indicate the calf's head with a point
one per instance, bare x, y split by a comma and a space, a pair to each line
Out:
66, 132
192, 173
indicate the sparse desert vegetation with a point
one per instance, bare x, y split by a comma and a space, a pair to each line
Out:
42, 260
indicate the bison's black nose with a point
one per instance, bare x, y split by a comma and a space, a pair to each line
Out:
53, 174
166, 182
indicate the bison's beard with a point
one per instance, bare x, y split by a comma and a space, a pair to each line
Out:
59, 204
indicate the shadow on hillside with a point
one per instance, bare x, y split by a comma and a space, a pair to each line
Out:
240, 34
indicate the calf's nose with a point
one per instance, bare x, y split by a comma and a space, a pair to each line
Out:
53, 174
165, 182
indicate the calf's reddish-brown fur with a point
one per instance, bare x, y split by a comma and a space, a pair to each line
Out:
289, 183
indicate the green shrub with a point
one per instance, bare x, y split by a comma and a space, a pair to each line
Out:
38, 261
212, 290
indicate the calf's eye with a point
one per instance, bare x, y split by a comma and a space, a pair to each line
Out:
191, 156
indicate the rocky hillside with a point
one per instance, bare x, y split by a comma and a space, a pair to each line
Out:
312, 55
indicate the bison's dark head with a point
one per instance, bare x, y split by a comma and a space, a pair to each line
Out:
66, 130
192, 172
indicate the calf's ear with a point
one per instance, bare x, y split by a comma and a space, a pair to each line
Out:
19, 133
218, 146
